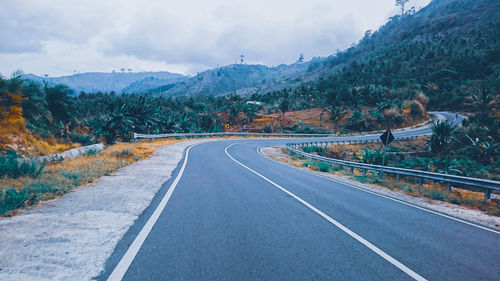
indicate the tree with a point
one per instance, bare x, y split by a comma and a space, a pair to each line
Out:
401, 4
442, 136
483, 102
59, 102
284, 104
330, 102
301, 58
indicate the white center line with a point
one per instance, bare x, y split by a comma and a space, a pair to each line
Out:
360, 239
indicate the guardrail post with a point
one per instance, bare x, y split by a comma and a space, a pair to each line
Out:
352, 170
448, 187
420, 181
364, 172
397, 177
487, 194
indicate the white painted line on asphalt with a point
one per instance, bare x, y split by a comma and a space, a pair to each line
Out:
360, 239
382, 195
132, 251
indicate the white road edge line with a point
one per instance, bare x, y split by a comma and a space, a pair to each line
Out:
360, 239
125, 262
384, 196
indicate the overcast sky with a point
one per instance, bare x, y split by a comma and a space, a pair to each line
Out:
58, 37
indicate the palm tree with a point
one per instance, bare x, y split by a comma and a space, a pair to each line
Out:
442, 136
483, 102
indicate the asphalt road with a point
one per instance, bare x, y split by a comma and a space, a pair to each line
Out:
231, 214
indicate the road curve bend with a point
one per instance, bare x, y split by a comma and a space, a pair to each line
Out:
231, 214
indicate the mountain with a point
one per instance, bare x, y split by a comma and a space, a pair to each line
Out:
106, 82
244, 79
440, 47
241, 79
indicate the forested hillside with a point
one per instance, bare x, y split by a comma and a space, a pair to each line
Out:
445, 50
448, 50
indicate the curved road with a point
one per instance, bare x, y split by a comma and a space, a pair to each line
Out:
228, 213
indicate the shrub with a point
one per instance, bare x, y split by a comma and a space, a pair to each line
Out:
371, 157
437, 195
92, 152
13, 166
323, 167
417, 110
318, 166
337, 168
82, 139
10, 199
123, 153
314, 149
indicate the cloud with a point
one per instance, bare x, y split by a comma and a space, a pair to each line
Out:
59, 36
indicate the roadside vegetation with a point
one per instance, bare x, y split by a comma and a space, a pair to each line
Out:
408, 185
24, 183
470, 150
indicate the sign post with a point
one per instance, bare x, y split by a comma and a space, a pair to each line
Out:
386, 138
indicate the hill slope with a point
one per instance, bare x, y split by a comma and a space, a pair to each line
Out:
240, 79
448, 40
447, 50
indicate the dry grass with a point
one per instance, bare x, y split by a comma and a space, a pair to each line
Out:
59, 178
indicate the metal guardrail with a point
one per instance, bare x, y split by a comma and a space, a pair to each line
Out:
137, 136
225, 134
487, 185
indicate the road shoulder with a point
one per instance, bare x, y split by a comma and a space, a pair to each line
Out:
456, 211
72, 237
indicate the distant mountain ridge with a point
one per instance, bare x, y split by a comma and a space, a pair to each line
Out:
118, 82
244, 79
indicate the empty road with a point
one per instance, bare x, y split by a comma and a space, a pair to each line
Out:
230, 213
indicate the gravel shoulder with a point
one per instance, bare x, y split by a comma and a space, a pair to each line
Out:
461, 212
72, 237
